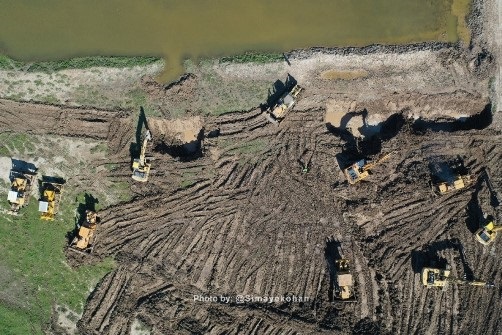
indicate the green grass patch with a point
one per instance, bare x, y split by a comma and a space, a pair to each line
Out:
32, 249
8, 63
253, 57
188, 179
249, 148
100, 147
12, 143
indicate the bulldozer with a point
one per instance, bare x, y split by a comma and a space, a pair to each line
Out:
276, 113
487, 234
19, 194
360, 169
434, 277
344, 283
49, 203
84, 238
460, 182
140, 166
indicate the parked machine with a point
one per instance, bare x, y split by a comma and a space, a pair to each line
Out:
487, 234
276, 113
343, 283
433, 277
19, 194
140, 166
49, 203
360, 169
84, 238
458, 183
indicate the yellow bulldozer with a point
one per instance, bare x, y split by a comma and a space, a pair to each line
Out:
84, 238
276, 113
458, 183
360, 169
343, 283
487, 234
19, 194
434, 277
51, 197
140, 166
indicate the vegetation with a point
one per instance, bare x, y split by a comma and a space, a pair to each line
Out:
32, 253
253, 57
7, 63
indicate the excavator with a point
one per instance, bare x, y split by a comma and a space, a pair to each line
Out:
140, 167
459, 183
360, 169
19, 194
344, 283
84, 239
276, 113
487, 234
434, 277
49, 203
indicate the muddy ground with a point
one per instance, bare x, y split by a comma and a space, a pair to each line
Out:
236, 215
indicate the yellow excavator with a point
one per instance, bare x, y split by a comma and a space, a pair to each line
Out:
487, 234
433, 277
344, 282
459, 183
277, 113
49, 203
140, 167
84, 239
19, 194
360, 169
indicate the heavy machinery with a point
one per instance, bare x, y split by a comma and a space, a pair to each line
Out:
459, 183
276, 113
487, 234
84, 238
343, 283
433, 277
49, 203
19, 194
360, 169
140, 166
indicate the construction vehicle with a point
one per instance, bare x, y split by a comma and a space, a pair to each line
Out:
276, 113
434, 277
140, 166
84, 238
19, 194
360, 169
343, 283
51, 197
487, 234
460, 182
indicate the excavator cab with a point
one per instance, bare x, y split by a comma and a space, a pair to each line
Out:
487, 234
360, 169
140, 167
49, 203
277, 113
19, 194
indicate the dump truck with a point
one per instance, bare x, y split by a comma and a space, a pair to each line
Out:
85, 233
276, 113
140, 166
20, 190
51, 197
487, 234
434, 277
460, 182
360, 170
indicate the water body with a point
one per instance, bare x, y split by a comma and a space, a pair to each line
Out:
180, 29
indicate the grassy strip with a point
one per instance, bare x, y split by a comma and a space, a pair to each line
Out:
253, 57
32, 251
7, 63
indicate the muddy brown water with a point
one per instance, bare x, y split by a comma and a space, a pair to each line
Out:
176, 30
